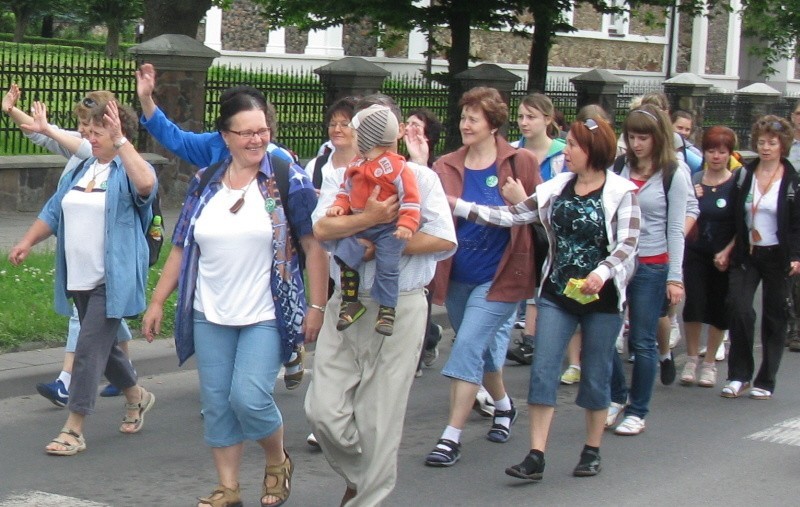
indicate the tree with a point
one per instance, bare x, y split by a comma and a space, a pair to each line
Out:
115, 15
24, 12
176, 16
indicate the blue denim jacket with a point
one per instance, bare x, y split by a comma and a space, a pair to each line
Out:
126, 255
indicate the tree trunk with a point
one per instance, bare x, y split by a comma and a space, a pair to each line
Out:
541, 43
112, 39
177, 16
47, 26
457, 61
22, 17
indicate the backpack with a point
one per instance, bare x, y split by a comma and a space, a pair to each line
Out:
280, 169
541, 243
619, 165
321, 160
153, 231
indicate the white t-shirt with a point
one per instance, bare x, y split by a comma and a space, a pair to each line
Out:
233, 280
766, 219
85, 229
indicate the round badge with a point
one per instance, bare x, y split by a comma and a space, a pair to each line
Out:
749, 198
269, 204
491, 181
721, 203
104, 185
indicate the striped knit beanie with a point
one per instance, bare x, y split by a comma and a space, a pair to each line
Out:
375, 126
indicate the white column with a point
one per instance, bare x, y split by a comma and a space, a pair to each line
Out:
326, 42
734, 39
214, 28
276, 45
697, 63
417, 39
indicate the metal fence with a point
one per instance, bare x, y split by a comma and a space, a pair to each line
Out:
60, 76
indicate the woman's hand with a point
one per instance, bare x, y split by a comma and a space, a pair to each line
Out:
112, 123
145, 85
592, 285
416, 144
722, 260
513, 191
11, 97
381, 212
674, 293
794, 268
39, 115
698, 190
18, 253
312, 324
151, 321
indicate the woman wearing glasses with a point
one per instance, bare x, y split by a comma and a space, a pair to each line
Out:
592, 220
766, 250
241, 301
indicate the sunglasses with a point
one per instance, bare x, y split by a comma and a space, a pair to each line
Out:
89, 102
591, 125
774, 125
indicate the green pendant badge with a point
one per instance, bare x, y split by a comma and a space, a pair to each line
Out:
269, 204
491, 181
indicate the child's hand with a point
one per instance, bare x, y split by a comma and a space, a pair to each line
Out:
403, 233
334, 211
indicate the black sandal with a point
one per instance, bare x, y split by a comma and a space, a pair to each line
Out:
445, 454
531, 468
499, 432
349, 312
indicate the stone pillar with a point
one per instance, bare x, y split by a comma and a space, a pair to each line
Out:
181, 64
493, 76
350, 77
688, 92
756, 100
598, 86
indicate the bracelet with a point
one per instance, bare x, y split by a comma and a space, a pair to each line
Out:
317, 307
675, 283
119, 143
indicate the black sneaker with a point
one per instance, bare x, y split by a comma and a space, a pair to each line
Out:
668, 370
589, 464
445, 454
521, 352
531, 468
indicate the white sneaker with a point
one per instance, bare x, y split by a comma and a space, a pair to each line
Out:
720, 352
484, 404
631, 425
674, 336
430, 356
614, 410
312, 441
702, 352
689, 373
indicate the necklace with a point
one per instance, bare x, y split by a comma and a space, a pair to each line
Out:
240, 201
95, 173
714, 184
754, 234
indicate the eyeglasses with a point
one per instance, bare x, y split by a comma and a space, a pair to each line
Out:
591, 125
248, 134
342, 125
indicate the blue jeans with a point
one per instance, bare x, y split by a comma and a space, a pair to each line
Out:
646, 292
123, 333
554, 328
237, 366
483, 330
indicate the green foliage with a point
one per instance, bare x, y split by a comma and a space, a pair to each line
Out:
26, 302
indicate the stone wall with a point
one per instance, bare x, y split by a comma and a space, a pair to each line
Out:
586, 18
244, 28
684, 53
717, 50
358, 39
607, 54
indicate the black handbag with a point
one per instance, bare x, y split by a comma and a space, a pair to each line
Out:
541, 243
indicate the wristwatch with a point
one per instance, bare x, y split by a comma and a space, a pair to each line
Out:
317, 307
120, 142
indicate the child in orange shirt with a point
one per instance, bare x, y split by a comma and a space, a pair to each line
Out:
376, 132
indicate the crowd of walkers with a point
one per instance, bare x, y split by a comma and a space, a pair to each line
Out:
580, 238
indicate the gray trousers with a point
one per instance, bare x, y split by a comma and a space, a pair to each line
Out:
97, 352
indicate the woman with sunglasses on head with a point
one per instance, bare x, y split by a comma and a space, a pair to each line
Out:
241, 301
663, 188
592, 220
98, 213
767, 251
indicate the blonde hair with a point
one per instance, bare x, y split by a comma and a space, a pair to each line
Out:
544, 105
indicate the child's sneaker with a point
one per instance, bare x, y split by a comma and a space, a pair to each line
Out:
349, 312
385, 324
110, 391
54, 391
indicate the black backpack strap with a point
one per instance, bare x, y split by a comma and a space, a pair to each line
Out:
280, 169
619, 164
316, 177
513, 164
74, 173
697, 178
205, 177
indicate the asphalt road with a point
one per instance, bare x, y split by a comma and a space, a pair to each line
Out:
698, 449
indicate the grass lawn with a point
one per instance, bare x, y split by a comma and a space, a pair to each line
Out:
26, 302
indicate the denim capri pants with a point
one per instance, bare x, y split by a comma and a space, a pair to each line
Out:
483, 329
554, 328
237, 366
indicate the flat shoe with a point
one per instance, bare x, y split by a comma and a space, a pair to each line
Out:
69, 449
283, 482
758, 393
223, 497
734, 389
143, 406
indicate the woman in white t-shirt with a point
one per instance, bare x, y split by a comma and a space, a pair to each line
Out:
241, 301
97, 214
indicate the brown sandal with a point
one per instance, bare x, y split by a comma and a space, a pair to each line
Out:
385, 323
283, 484
223, 497
69, 449
143, 406
349, 312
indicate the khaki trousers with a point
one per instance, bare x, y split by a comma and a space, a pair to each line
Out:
357, 399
